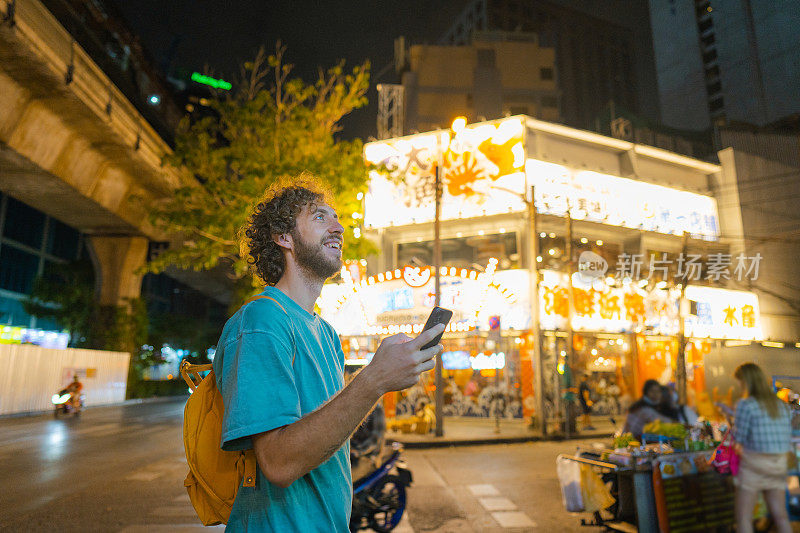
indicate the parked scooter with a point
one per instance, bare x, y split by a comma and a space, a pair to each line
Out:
379, 498
381, 477
64, 405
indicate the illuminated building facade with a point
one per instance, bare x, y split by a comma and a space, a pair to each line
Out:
627, 239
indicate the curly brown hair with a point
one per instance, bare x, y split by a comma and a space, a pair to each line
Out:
274, 214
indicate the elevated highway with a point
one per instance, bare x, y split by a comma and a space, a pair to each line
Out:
73, 146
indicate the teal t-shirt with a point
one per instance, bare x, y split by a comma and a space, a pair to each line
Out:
273, 368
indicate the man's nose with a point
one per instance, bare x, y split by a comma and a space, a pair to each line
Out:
336, 227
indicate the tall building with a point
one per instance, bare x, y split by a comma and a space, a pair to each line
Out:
603, 50
723, 62
497, 74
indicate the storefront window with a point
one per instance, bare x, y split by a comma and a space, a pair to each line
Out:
471, 252
481, 379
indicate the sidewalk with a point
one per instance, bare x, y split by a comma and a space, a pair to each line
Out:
466, 431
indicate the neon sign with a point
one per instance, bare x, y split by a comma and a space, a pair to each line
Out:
717, 313
211, 82
483, 174
386, 303
415, 276
621, 201
723, 314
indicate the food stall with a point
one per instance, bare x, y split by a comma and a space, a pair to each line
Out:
668, 482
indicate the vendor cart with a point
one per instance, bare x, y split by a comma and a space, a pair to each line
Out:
632, 488
670, 492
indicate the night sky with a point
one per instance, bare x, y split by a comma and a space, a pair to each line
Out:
193, 34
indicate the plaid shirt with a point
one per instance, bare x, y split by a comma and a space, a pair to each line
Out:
756, 431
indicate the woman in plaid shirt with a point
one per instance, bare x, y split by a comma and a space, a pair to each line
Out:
762, 432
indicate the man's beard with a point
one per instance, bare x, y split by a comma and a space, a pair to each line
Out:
312, 259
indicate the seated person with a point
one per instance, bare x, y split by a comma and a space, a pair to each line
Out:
670, 406
645, 409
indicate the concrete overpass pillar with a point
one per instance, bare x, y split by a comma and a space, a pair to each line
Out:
119, 258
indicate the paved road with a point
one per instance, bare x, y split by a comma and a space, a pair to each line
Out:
121, 469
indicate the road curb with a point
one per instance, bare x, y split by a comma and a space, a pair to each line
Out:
132, 401
419, 445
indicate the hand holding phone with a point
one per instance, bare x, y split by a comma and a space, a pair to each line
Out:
439, 315
399, 361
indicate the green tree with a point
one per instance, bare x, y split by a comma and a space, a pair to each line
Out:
272, 127
65, 294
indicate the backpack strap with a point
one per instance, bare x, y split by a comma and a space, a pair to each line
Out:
250, 463
260, 296
191, 373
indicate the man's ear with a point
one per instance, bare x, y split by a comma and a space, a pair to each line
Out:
284, 240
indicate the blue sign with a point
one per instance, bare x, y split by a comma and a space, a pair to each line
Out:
458, 360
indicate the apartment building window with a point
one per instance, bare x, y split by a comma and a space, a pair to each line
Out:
710, 56
716, 104
549, 101
714, 88
712, 72
486, 57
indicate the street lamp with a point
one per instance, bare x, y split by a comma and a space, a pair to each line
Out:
456, 128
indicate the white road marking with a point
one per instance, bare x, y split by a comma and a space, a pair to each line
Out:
483, 490
425, 474
144, 475
513, 519
497, 504
404, 526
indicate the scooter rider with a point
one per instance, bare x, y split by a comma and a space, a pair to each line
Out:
75, 389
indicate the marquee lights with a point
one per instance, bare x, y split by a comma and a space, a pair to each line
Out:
418, 276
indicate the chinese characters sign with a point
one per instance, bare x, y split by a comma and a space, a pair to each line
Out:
599, 307
483, 174
722, 314
620, 201
715, 313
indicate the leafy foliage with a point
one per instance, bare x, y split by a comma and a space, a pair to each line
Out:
271, 128
65, 294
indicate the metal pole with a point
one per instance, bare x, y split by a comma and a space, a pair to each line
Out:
570, 342
437, 264
680, 371
536, 332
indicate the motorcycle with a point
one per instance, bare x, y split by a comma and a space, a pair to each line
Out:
63, 405
379, 498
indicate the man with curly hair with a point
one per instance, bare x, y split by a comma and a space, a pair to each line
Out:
280, 369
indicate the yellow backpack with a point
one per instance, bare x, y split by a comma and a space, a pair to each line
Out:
214, 475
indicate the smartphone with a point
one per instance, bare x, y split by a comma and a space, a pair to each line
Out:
439, 315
